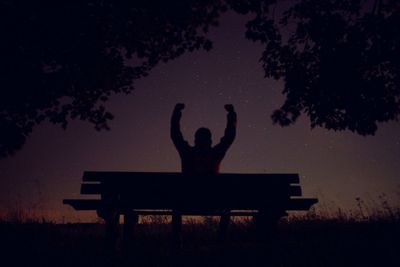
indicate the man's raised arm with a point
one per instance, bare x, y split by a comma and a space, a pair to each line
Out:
230, 130
176, 134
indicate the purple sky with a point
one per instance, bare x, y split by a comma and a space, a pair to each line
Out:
336, 167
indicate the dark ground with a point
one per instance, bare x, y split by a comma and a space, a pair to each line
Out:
315, 242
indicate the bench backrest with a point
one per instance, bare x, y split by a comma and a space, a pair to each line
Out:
141, 190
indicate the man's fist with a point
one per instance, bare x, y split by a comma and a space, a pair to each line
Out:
229, 108
179, 106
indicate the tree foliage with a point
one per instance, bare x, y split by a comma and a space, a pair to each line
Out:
61, 60
339, 59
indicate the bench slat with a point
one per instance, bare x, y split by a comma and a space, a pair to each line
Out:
292, 204
94, 176
91, 189
148, 191
91, 204
301, 203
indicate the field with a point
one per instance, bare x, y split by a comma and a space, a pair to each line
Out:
299, 241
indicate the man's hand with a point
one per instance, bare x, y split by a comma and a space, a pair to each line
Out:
179, 106
229, 108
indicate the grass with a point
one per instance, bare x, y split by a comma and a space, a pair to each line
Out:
357, 239
362, 237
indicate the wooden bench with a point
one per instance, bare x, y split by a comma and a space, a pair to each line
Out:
268, 196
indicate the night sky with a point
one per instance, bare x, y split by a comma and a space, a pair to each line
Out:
336, 167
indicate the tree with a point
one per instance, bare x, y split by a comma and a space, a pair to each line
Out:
339, 59
61, 60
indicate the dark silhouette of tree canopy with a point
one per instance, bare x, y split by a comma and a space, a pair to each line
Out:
339, 59
61, 60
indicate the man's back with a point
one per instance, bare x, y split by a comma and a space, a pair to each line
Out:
201, 158
198, 160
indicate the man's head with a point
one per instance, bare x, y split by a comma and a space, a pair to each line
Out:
202, 138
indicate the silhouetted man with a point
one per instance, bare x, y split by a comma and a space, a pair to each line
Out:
202, 158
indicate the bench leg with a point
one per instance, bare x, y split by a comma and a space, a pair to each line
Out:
130, 220
266, 223
223, 225
176, 228
112, 232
